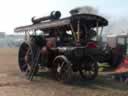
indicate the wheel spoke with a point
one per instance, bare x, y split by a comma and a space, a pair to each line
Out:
24, 66
59, 68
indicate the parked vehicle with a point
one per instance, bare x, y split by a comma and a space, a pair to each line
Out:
119, 48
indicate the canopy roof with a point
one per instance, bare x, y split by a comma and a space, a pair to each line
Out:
87, 19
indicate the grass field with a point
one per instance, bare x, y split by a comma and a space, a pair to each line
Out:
13, 82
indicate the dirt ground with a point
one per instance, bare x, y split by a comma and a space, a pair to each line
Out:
13, 82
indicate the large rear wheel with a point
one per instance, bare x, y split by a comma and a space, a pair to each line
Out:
26, 58
21, 57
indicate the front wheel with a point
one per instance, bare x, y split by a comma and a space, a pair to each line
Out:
90, 69
61, 69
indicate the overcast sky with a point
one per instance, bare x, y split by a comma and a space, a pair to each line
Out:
19, 12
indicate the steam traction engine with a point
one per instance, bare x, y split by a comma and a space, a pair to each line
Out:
64, 45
